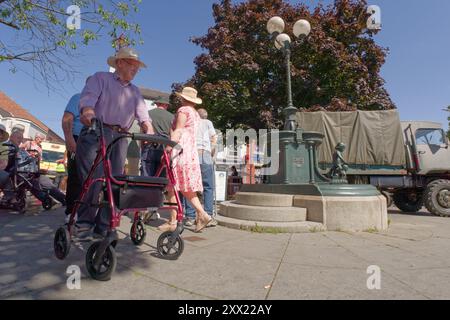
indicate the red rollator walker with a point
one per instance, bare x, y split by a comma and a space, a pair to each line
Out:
124, 194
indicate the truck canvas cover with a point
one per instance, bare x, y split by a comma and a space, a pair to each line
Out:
372, 137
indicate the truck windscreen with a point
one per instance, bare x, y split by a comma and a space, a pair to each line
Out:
429, 137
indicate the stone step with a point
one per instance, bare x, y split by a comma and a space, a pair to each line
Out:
266, 214
270, 227
264, 199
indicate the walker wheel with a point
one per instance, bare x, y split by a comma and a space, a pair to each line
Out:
61, 243
20, 205
107, 266
138, 233
170, 247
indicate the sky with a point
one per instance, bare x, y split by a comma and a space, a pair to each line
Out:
416, 71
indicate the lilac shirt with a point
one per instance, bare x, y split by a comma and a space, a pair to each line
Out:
113, 102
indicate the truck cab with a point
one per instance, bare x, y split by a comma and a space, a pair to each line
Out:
427, 148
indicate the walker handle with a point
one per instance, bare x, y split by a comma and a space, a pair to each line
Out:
155, 139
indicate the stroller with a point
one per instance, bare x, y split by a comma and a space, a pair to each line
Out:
125, 194
24, 177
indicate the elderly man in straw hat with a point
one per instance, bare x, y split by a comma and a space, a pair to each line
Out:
4, 135
113, 99
5, 182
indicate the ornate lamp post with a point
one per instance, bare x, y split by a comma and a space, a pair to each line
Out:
302, 28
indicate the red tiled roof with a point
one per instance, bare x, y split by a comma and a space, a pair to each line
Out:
7, 104
16, 111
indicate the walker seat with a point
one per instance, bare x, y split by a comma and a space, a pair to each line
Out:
139, 192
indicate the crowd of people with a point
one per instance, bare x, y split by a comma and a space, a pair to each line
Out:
112, 98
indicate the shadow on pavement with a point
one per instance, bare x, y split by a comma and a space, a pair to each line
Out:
423, 213
28, 266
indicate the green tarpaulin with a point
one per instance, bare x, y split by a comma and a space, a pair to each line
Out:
371, 137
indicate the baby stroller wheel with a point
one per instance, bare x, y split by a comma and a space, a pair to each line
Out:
108, 265
170, 247
20, 205
61, 243
47, 203
138, 233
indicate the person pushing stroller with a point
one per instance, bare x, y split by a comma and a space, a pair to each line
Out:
40, 185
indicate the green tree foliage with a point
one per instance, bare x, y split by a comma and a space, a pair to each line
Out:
36, 32
241, 76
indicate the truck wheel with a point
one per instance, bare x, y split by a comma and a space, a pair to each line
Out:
427, 192
388, 197
437, 198
408, 201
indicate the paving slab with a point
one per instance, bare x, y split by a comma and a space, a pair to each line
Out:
312, 283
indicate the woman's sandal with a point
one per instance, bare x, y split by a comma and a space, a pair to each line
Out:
168, 227
202, 223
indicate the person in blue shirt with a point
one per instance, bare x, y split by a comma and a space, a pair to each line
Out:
72, 126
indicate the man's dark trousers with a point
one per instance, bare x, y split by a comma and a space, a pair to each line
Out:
44, 183
87, 147
73, 182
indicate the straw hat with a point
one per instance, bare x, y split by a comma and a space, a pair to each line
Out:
4, 135
190, 94
125, 53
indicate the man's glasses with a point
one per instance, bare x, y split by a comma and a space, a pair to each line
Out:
133, 64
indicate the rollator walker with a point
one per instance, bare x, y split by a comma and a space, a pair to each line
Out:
125, 194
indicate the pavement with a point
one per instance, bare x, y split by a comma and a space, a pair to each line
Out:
413, 258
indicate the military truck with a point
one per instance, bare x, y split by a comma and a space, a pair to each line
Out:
409, 162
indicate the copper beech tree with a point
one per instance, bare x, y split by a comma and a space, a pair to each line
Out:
242, 77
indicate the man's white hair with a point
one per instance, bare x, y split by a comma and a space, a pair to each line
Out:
203, 113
